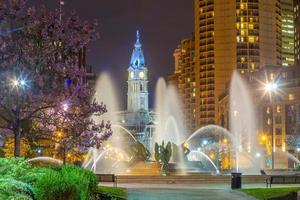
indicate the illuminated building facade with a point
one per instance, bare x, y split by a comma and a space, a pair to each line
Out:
137, 116
297, 30
184, 79
277, 115
231, 34
288, 54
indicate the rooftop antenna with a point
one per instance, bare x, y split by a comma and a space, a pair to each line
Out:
61, 4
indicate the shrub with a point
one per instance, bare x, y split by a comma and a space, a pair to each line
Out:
13, 189
14, 167
67, 182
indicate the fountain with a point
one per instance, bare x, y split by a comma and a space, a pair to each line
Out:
43, 159
198, 156
239, 145
169, 118
242, 118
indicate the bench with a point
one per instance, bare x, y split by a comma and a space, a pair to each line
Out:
283, 179
107, 178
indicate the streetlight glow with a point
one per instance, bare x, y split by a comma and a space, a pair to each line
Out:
271, 87
65, 107
23, 82
15, 83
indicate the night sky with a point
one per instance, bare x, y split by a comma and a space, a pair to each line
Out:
162, 23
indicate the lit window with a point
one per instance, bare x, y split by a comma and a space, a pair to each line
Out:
268, 110
269, 121
251, 39
243, 59
278, 109
251, 26
272, 76
243, 6
291, 97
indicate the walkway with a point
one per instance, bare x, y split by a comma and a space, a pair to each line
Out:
184, 194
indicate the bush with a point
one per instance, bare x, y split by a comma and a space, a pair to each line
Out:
14, 167
13, 189
66, 183
53, 186
20, 180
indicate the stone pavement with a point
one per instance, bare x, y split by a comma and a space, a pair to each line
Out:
185, 194
139, 191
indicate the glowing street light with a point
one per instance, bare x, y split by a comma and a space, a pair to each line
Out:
15, 83
271, 87
204, 142
19, 82
23, 83
65, 107
257, 155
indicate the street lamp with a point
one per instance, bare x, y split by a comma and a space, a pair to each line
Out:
65, 107
19, 83
271, 87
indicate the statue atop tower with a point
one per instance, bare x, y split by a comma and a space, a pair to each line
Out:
137, 95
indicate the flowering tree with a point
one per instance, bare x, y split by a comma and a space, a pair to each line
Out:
42, 85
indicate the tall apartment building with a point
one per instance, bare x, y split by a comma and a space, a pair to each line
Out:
231, 34
184, 79
296, 6
288, 54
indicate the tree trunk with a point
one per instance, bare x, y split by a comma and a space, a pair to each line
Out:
17, 151
64, 155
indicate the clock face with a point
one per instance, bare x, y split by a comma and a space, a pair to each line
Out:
141, 74
131, 74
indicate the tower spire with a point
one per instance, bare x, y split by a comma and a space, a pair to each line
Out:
138, 43
137, 60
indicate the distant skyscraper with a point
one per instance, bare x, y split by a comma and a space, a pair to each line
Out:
297, 30
137, 96
184, 79
229, 35
288, 54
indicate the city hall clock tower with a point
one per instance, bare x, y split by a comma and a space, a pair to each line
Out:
137, 95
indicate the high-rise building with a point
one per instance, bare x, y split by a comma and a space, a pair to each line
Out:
296, 6
231, 34
288, 54
184, 79
137, 96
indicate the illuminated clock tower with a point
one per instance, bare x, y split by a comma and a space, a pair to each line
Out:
137, 95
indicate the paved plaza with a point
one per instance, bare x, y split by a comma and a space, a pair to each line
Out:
140, 191
185, 194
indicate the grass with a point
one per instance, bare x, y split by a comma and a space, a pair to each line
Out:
267, 193
118, 193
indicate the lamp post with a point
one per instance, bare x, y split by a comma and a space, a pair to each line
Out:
271, 88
